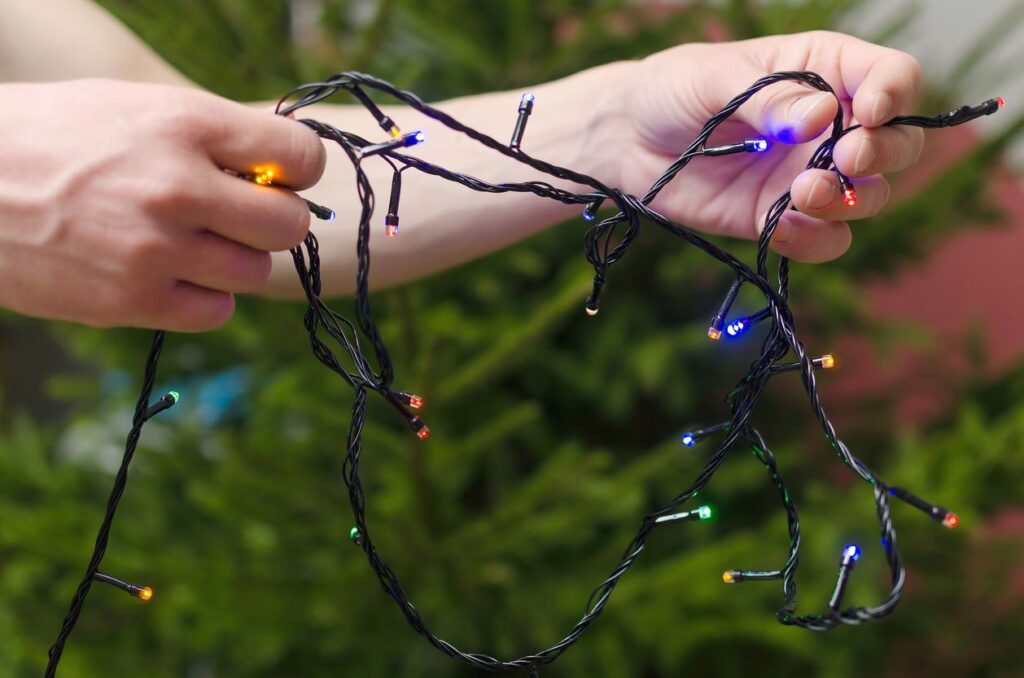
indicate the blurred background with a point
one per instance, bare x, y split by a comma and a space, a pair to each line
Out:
552, 434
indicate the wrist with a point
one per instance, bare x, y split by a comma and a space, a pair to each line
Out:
595, 117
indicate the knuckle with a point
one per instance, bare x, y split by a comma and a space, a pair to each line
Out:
183, 116
143, 252
169, 194
822, 35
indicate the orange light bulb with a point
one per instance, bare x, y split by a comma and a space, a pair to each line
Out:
263, 175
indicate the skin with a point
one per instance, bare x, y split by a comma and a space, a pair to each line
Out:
141, 226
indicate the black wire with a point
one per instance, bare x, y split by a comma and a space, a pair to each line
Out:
604, 246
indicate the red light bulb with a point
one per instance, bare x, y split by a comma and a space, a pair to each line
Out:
1001, 101
415, 401
423, 433
951, 520
849, 197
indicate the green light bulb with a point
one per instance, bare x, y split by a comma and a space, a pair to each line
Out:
174, 396
704, 512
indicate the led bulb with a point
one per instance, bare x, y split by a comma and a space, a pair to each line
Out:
419, 428
850, 197
1001, 101
145, 593
264, 176
591, 311
701, 513
735, 328
714, 333
851, 553
415, 401
951, 520
355, 535
174, 396
728, 578
828, 361
689, 440
755, 145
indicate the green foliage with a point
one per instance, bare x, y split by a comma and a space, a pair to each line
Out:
553, 433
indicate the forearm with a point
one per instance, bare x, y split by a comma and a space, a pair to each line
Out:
445, 224
72, 39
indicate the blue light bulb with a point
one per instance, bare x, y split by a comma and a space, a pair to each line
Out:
851, 552
755, 145
528, 97
588, 215
688, 439
736, 327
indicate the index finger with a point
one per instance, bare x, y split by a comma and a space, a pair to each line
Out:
884, 82
251, 141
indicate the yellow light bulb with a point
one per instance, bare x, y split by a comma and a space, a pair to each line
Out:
728, 578
263, 175
714, 333
828, 361
145, 593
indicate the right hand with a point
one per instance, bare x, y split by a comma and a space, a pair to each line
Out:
115, 209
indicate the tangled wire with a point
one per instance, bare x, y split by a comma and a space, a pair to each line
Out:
606, 242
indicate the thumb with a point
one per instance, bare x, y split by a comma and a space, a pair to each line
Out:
789, 112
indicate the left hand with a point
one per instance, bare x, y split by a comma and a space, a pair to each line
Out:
669, 96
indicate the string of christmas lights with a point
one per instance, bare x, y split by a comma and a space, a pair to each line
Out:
606, 243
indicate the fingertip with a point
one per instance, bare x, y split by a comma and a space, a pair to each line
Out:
815, 190
890, 86
310, 157
810, 240
873, 109
804, 118
198, 309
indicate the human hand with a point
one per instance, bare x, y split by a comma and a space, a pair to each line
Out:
115, 209
670, 95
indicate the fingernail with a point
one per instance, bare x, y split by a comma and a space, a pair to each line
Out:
784, 232
883, 108
802, 107
866, 155
822, 193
